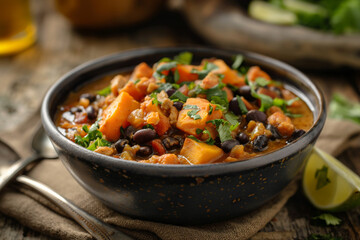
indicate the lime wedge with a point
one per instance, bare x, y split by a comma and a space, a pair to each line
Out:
329, 184
267, 12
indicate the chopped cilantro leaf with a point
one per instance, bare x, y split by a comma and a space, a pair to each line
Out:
176, 75
261, 82
210, 109
164, 67
321, 176
93, 138
210, 140
179, 95
224, 132
223, 128
232, 118
208, 67
328, 218
241, 105
238, 60
104, 92
148, 126
189, 106
184, 58
136, 81
155, 101
193, 114
193, 138
199, 131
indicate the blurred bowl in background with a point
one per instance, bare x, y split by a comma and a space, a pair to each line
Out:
94, 14
227, 25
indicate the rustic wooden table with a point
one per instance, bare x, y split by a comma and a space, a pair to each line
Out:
26, 77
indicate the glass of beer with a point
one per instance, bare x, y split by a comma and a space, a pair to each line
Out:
17, 29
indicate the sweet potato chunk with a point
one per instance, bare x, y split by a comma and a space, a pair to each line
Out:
185, 73
115, 116
200, 153
153, 114
230, 75
255, 72
282, 123
141, 70
188, 124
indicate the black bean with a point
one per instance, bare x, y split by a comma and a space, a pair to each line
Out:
120, 144
89, 96
75, 109
170, 92
296, 134
144, 151
217, 142
275, 133
245, 91
171, 143
178, 105
144, 135
234, 106
260, 143
180, 139
91, 112
256, 115
229, 144
129, 132
242, 138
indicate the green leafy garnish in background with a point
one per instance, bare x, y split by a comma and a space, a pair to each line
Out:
328, 218
343, 108
338, 16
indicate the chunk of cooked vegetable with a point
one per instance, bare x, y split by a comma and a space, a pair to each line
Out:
115, 116
200, 153
195, 114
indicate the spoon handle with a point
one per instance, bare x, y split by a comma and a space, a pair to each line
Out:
94, 226
14, 170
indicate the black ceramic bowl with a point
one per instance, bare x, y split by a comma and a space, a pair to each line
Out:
182, 194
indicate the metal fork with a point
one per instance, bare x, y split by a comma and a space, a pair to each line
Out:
97, 228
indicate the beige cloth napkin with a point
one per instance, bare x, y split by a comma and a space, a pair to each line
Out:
37, 213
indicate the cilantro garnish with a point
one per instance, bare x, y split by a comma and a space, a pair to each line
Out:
242, 106
261, 82
148, 126
210, 109
93, 138
199, 131
104, 92
179, 96
223, 128
321, 176
232, 118
184, 58
209, 140
155, 101
176, 75
208, 67
328, 218
238, 60
136, 81
193, 113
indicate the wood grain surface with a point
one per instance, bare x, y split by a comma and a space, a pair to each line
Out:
26, 77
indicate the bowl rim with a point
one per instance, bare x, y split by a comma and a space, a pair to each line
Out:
165, 170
